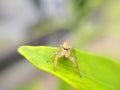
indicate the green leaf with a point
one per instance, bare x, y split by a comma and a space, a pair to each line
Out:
98, 73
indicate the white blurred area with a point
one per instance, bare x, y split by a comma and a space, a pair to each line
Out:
57, 9
15, 17
18, 16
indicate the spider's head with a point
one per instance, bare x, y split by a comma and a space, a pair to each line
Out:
66, 46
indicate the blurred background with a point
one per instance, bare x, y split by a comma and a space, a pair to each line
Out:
90, 25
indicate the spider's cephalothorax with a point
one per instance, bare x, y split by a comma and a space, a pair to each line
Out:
65, 50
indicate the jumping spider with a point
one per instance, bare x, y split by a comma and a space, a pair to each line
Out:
65, 50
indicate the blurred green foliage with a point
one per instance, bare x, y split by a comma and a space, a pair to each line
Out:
82, 8
34, 85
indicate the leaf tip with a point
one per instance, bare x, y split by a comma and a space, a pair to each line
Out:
20, 49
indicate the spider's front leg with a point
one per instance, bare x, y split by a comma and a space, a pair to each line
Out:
56, 60
51, 56
75, 64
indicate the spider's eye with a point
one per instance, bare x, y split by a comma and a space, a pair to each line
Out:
66, 49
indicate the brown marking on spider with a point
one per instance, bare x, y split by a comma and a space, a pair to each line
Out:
65, 50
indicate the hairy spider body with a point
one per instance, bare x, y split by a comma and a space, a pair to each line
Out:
65, 50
